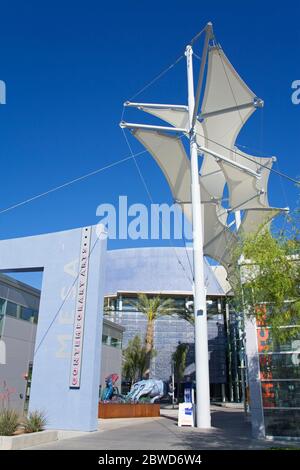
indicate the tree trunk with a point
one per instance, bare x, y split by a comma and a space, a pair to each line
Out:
178, 388
149, 346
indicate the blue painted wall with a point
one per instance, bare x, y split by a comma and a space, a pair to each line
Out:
58, 255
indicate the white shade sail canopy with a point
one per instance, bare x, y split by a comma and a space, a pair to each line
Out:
175, 117
255, 218
224, 87
168, 151
227, 104
220, 248
247, 191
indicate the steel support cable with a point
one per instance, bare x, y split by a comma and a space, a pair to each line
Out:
232, 233
227, 228
75, 180
183, 237
285, 218
14, 206
62, 303
68, 183
166, 69
187, 255
261, 165
157, 77
197, 36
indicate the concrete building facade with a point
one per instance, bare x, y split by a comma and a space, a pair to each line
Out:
167, 272
19, 306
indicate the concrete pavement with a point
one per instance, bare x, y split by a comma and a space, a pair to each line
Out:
229, 431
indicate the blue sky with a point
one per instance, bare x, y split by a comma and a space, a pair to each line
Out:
69, 66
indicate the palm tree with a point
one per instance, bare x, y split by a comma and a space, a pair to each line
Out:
153, 308
187, 315
134, 360
179, 360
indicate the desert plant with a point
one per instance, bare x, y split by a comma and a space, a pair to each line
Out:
35, 421
9, 422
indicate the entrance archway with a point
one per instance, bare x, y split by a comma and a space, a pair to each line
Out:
65, 379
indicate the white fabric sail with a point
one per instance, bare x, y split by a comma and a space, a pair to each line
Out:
227, 104
213, 214
168, 151
225, 89
176, 117
247, 191
221, 246
255, 218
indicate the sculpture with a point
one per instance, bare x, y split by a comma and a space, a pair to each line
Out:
110, 390
150, 389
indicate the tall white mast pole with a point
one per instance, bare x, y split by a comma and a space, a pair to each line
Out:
237, 216
201, 338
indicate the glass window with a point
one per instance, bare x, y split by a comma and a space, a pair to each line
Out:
129, 304
109, 341
2, 306
115, 343
2, 313
281, 394
109, 304
291, 345
180, 303
282, 422
266, 343
35, 316
263, 311
12, 309
106, 339
279, 366
212, 307
26, 313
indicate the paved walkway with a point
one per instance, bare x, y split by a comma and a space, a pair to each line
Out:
229, 431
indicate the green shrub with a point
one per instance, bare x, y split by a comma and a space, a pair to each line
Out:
35, 421
9, 422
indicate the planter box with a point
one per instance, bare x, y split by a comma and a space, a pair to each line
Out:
128, 410
27, 440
